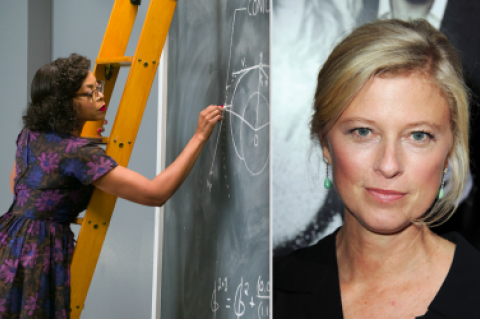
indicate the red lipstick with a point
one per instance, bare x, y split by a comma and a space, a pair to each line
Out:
103, 109
385, 195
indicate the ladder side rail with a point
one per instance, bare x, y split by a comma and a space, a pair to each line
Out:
141, 77
120, 145
115, 42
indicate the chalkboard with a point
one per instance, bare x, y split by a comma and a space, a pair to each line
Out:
216, 237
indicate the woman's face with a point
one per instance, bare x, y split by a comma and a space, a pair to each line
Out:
90, 109
388, 151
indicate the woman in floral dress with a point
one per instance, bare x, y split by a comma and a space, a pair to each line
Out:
53, 177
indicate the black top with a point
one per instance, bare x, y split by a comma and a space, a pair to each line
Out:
306, 284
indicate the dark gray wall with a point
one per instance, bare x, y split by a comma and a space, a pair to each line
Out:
122, 284
13, 86
39, 37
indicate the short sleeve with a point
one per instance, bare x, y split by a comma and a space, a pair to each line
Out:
18, 155
24, 155
18, 143
88, 163
19, 139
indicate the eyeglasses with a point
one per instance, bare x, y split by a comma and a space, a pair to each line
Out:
94, 95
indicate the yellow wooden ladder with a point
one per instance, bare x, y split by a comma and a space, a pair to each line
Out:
143, 66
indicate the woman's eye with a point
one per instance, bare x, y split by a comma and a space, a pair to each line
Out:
363, 132
420, 136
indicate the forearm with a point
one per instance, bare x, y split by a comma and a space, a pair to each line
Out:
173, 176
132, 186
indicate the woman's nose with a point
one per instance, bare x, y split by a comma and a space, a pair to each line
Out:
99, 97
389, 160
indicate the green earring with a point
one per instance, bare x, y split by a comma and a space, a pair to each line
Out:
441, 192
327, 184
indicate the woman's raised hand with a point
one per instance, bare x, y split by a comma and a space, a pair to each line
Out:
132, 186
207, 120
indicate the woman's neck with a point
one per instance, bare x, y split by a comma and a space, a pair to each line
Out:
364, 256
78, 130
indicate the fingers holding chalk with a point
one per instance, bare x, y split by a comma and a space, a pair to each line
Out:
207, 120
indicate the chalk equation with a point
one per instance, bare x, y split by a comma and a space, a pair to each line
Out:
242, 297
258, 6
246, 106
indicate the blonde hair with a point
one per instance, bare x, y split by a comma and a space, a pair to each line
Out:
396, 47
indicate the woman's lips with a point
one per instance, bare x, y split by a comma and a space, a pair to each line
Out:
385, 195
103, 109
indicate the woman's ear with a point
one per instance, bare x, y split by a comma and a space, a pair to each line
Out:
446, 163
326, 149
76, 106
449, 155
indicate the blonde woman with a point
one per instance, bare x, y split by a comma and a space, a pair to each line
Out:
391, 110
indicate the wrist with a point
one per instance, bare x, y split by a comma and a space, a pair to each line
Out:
199, 138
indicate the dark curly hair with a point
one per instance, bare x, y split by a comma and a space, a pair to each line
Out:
52, 91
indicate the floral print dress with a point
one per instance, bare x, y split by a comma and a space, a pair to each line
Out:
52, 186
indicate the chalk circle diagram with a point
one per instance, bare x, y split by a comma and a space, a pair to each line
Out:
246, 107
249, 116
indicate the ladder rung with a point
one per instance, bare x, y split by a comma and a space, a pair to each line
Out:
127, 122
119, 60
78, 221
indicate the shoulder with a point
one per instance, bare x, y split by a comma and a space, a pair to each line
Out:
51, 139
459, 296
85, 151
295, 271
26, 135
74, 144
306, 283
